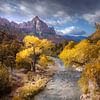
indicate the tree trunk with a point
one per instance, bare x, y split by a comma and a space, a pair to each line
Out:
33, 65
34, 60
2, 60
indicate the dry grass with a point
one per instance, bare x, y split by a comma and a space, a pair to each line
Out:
29, 89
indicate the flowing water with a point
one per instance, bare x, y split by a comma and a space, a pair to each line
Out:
63, 85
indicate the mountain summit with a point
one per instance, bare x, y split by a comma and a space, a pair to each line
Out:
40, 26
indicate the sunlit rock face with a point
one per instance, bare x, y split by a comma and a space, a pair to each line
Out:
40, 26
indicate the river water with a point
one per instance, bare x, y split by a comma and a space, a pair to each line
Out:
62, 86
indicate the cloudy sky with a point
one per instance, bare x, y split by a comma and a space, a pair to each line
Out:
67, 16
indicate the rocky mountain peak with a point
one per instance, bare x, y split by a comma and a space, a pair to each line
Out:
40, 26
36, 18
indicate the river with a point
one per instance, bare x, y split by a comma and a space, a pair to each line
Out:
62, 86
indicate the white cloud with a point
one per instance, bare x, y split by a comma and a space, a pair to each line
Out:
71, 31
58, 21
29, 10
92, 17
59, 14
6, 8
66, 30
40, 9
25, 10
22, 7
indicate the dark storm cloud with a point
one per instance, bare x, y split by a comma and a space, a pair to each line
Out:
79, 6
68, 9
70, 6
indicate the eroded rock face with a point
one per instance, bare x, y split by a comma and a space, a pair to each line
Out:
40, 26
96, 35
97, 25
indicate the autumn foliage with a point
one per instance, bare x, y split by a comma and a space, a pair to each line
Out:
80, 54
33, 50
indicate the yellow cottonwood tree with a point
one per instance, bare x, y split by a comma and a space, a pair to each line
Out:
33, 48
82, 53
